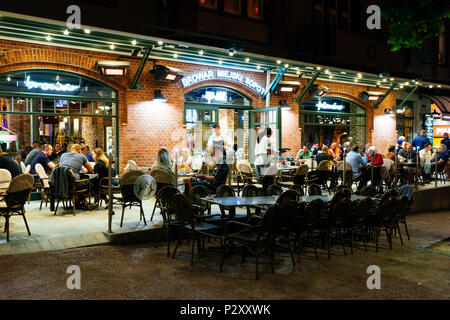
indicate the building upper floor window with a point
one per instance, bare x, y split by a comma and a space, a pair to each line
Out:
210, 4
255, 9
232, 6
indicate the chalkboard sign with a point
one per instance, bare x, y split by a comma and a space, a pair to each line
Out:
428, 124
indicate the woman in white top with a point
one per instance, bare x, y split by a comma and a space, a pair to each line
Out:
217, 143
263, 150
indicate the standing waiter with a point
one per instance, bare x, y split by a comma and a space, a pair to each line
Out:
216, 143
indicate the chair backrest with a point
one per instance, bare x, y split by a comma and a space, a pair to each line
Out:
343, 187
18, 191
369, 191
165, 196
325, 165
387, 210
299, 189
388, 194
270, 219
340, 213
225, 191
402, 206
131, 166
22, 166
244, 166
160, 175
271, 171
183, 209
27, 169
127, 185
311, 163
250, 190
311, 213
405, 190
302, 170
5, 175
340, 166
289, 214
42, 175
361, 210
286, 197
274, 190
338, 196
266, 182
197, 193
314, 190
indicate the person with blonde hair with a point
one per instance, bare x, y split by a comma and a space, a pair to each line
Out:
163, 162
75, 161
101, 169
131, 165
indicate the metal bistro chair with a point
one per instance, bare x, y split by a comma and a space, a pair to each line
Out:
128, 196
308, 222
274, 190
348, 172
104, 191
323, 174
15, 200
251, 190
299, 178
337, 220
22, 167
45, 190
359, 218
162, 178
299, 189
314, 190
166, 195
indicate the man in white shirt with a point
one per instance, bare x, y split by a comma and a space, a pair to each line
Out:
217, 143
263, 150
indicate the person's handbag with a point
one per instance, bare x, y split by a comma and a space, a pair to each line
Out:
427, 167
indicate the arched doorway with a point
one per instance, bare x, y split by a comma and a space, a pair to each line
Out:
332, 119
58, 107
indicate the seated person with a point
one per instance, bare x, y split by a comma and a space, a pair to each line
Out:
163, 162
305, 153
218, 178
43, 158
375, 159
131, 165
391, 153
87, 152
407, 154
56, 150
356, 161
33, 153
6, 162
315, 149
425, 157
101, 169
335, 152
324, 155
75, 161
440, 159
185, 161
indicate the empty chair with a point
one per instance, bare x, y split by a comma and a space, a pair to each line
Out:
245, 171
312, 164
298, 189
286, 197
299, 177
343, 187
227, 191
251, 190
341, 194
128, 196
309, 220
162, 178
359, 218
22, 166
196, 195
348, 172
322, 174
15, 199
274, 190
314, 190
45, 190
337, 220
369, 191
27, 169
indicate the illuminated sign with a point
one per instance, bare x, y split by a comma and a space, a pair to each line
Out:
440, 130
222, 74
325, 106
49, 86
215, 95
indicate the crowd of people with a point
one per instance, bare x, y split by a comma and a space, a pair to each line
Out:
76, 157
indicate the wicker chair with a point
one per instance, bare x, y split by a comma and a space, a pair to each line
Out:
128, 196
314, 190
15, 200
298, 189
162, 178
45, 190
274, 190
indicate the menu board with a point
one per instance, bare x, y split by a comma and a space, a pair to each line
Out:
428, 124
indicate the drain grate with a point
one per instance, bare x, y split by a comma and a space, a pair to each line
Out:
442, 246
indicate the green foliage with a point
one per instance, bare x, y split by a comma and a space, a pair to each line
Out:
412, 22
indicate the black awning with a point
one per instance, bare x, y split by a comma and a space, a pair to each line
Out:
442, 102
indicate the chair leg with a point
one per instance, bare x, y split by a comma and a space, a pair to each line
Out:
300, 247
123, 211
328, 242
7, 227
56, 209
193, 248
353, 236
142, 213
257, 260
364, 240
314, 244
388, 231
342, 242
406, 229
154, 208
26, 224
42, 201
178, 241
377, 235
399, 233
222, 259
73, 204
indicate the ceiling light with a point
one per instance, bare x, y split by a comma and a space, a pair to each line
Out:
331, 77
87, 31
134, 42
220, 61
407, 83
356, 80
48, 38
231, 53
8, 78
160, 43
175, 55
247, 59
286, 65
319, 68
278, 61
112, 46
392, 79
359, 75
327, 71
258, 66
384, 80
439, 86
158, 96
66, 32
431, 86
201, 52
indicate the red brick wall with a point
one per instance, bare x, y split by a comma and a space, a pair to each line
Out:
144, 125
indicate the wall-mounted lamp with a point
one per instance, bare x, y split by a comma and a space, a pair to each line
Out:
318, 91
287, 87
435, 114
388, 112
163, 73
114, 68
159, 96
283, 104
371, 95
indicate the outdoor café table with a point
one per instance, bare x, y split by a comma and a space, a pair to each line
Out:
242, 201
327, 198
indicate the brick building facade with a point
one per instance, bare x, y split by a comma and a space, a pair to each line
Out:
145, 125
